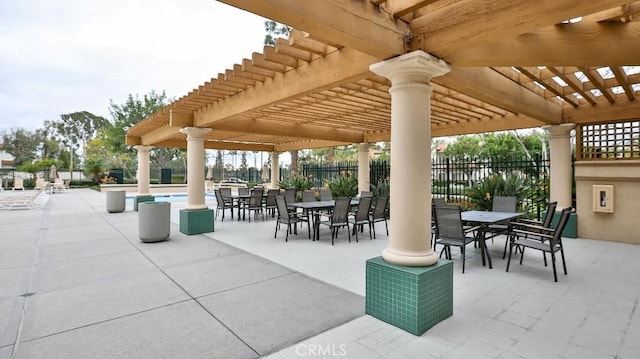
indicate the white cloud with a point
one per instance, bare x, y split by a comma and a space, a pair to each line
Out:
61, 56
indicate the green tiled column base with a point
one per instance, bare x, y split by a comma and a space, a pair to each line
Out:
196, 221
140, 199
411, 298
571, 230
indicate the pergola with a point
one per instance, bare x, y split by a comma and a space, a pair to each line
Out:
515, 64
361, 71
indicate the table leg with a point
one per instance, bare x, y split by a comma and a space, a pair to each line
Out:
316, 226
484, 250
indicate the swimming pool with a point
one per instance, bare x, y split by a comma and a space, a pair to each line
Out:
174, 197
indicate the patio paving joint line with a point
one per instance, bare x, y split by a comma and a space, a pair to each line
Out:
107, 320
25, 303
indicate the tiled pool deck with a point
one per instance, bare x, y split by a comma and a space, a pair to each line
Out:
76, 282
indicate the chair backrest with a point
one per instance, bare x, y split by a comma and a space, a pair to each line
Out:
366, 194
564, 218
341, 210
439, 201
18, 183
290, 195
449, 222
308, 196
281, 204
364, 206
243, 191
271, 198
225, 191
380, 211
548, 217
218, 197
504, 204
273, 191
325, 195
255, 200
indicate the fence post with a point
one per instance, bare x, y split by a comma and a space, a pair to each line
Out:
447, 187
537, 178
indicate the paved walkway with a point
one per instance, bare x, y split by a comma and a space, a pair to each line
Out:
99, 292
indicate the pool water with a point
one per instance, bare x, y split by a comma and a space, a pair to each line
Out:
175, 197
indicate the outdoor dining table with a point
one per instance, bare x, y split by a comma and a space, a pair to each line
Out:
484, 219
239, 198
316, 207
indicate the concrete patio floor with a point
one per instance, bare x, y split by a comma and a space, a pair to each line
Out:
75, 282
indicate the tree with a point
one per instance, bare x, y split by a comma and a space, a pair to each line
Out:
22, 144
75, 129
274, 30
125, 116
496, 144
243, 164
128, 114
96, 159
35, 167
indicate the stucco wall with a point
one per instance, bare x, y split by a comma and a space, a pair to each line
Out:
623, 225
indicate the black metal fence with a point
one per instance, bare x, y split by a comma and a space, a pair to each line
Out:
452, 176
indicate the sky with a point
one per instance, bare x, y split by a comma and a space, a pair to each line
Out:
64, 56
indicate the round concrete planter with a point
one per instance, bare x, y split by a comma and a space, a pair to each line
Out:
154, 221
116, 201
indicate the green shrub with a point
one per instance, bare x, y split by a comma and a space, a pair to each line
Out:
344, 185
481, 194
382, 188
300, 183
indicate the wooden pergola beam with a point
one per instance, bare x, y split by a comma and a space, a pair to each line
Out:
237, 146
470, 23
489, 86
356, 24
177, 119
502, 123
160, 134
274, 128
622, 109
307, 144
579, 44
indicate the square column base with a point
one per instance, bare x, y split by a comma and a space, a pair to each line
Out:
196, 221
141, 199
571, 229
411, 298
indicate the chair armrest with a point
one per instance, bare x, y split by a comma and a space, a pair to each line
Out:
472, 229
529, 227
530, 221
547, 233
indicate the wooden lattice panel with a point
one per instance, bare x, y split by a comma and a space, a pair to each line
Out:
619, 140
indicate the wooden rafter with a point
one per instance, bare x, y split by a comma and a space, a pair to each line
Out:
621, 76
572, 81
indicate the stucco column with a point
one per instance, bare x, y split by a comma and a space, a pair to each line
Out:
363, 167
275, 169
560, 156
409, 237
195, 166
143, 169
